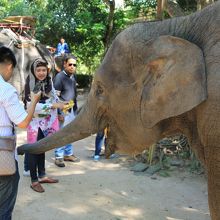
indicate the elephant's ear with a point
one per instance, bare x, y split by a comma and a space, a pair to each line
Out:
175, 79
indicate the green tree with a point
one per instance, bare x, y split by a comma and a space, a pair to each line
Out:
87, 26
13, 7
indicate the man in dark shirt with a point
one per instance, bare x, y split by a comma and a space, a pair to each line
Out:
65, 85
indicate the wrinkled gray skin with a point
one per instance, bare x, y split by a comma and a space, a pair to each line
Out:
157, 79
24, 56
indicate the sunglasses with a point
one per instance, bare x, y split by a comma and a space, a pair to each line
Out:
72, 64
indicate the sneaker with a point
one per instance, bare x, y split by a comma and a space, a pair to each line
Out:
71, 158
26, 173
96, 158
59, 162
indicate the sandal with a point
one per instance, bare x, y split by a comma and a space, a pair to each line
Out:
37, 187
48, 180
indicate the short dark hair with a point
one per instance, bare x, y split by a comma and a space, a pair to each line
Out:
6, 54
69, 56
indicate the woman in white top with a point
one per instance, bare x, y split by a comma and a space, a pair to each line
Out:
45, 121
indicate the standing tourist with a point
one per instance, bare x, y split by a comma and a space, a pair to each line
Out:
12, 113
65, 85
45, 121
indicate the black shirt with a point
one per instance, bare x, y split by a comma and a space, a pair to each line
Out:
66, 87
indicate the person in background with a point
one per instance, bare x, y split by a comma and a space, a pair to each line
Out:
62, 48
65, 85
26, 171
12, 113
100, 136
45, 121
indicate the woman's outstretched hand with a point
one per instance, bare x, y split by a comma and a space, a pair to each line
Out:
60, 105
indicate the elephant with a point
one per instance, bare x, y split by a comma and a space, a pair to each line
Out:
157, 79
26, 51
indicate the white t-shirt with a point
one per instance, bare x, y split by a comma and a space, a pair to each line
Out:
11, 110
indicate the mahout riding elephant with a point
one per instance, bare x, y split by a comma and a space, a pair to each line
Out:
26, 51
157, 79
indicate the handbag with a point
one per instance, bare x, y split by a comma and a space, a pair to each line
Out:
7, 155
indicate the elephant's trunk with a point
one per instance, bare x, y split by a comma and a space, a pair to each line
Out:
80, 128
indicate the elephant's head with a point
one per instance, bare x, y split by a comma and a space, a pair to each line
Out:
26, 51
157, 77
137, 86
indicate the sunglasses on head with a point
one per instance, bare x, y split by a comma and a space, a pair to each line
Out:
72, 64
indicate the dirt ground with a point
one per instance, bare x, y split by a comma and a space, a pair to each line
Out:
108, 190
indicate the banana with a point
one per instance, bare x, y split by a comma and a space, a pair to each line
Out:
68, 106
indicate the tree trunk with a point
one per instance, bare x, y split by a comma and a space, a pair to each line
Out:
170, 7
173, 9
160, 8
109, 27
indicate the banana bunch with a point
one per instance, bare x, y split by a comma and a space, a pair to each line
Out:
68, 106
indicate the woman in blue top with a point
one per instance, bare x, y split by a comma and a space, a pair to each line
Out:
62, 47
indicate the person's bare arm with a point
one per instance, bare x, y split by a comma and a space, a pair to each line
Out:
34, 100
60, 105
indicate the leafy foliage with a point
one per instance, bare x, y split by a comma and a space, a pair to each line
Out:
141, 8
82, 23
170, 153
13, 7
83, 80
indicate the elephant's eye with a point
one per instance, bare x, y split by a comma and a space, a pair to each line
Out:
99, 90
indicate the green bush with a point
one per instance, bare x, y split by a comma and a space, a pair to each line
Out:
83, 80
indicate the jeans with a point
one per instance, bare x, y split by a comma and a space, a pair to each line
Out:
26, 159
37, 163
8, 194
99, 142
67, 150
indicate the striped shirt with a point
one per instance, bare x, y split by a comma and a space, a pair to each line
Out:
11, 110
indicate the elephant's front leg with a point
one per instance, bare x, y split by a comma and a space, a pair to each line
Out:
213, 168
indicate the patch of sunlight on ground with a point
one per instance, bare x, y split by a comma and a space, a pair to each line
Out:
26, 199
123, 193
73, 172
169, 218
90, 165
194, 210
67, 172
190, 209
110, 166
78, 209
131, 212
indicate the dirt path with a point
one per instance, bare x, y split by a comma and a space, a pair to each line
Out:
108, 190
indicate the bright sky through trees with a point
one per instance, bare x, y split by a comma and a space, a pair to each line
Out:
119, 3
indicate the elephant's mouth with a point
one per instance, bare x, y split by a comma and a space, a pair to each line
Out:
106, 123
116, 138
110, 148
102, 120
